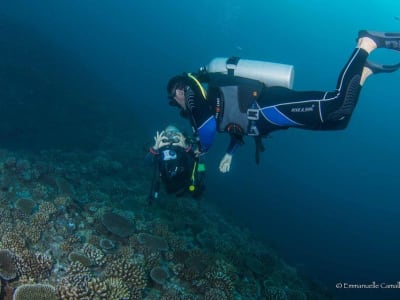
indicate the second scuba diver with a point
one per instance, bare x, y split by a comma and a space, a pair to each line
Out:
175, 165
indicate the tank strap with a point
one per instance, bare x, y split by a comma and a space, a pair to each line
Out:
253, 115
231, 64
203, 91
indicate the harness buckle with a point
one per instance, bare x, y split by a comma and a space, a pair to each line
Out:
253, 131
253, 114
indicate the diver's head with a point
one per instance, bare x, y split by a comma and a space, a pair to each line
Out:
175, 90
173, 134
170, 129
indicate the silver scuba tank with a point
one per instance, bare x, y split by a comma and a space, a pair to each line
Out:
271, 74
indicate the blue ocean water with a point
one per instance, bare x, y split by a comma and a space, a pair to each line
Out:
327, 200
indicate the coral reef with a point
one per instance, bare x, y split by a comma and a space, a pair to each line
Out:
78, 226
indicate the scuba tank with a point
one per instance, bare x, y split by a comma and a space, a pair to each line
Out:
271, 74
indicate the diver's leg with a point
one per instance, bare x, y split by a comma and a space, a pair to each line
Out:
337, 111
369, 41
282, 107
354, 74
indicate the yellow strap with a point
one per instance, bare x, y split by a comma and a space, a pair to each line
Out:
203, 92
193, 171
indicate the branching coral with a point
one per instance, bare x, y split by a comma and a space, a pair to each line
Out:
98, 289
62, 201
131, 273
218, 280
221, 281
40, 220
34, 265
95, 254
74, 286
151, 259
275, 293
47, 208
117, 289
68, 244
13, 242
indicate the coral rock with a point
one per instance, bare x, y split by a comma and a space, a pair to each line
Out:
25, 205
118, 224
35, 291
152, 241
159, 275
8, 269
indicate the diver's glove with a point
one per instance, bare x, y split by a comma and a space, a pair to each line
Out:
160, 141
225, 164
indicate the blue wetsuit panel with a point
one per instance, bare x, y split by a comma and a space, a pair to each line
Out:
274, 116
207, 132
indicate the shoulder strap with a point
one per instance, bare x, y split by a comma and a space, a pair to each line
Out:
199, 85
231, 64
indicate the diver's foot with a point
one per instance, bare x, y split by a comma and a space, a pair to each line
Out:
389, 40
377, 68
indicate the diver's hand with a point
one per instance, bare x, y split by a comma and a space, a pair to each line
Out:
160, 140
225, 164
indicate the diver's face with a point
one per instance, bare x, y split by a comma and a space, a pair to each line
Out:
180, 98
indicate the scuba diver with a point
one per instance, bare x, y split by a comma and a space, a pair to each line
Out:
236, 99
176, 165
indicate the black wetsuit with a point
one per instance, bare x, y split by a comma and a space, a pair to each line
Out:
178, 171
274, 107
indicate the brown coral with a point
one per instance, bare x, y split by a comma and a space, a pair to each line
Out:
60, 201
13, 242
275, 293
94, 254
47, 208
117, 289
98, 289
68, 244
131, 273
34, 265
222, 282
74, 286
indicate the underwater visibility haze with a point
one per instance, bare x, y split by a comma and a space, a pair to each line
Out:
82, 93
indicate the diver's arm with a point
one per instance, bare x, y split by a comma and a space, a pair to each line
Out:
226, 161
206, 134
